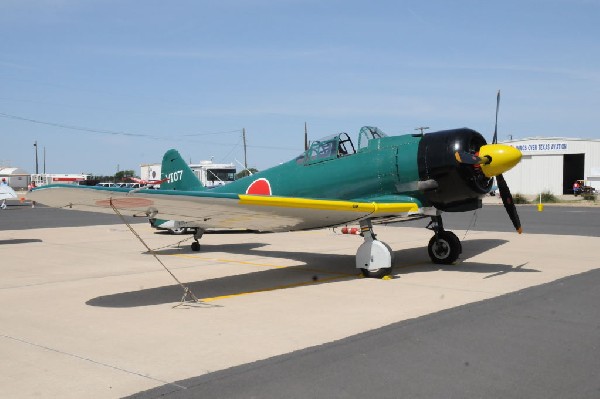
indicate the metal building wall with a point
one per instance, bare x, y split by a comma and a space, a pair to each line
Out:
541, 168
592, 164
150, 171
536, 174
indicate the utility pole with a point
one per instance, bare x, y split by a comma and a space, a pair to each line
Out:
36, 158
421, 128
44, 159
244, 138
305, 137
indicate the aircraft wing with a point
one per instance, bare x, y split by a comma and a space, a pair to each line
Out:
208, 209
6, 192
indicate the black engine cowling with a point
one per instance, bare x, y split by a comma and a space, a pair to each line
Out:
459, 186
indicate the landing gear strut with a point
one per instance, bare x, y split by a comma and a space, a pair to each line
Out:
373, 258
444, 247
197, 236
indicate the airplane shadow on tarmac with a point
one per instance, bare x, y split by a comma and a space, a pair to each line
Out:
316, 269
413, 260
19, 241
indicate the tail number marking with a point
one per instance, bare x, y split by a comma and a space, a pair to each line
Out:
175, 176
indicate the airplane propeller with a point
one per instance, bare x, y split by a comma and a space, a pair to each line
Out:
505, 194
494, 159
472, 159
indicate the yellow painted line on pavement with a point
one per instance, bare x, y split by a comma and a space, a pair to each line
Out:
333, 276
278, 287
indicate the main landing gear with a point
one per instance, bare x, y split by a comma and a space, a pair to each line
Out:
197, 236
373, 258
444, 247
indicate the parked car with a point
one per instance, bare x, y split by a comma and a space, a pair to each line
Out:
580, 188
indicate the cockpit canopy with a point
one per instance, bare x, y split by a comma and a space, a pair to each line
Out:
368, 133
338, 145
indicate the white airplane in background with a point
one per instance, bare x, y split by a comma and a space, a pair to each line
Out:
6, 193
147, 182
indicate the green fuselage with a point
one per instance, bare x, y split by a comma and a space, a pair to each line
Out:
385, 168
421, 169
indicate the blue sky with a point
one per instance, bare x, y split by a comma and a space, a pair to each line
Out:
105, 84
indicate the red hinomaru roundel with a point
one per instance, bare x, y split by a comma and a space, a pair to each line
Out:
259, 187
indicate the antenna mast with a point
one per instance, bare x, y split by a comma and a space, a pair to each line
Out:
244, 138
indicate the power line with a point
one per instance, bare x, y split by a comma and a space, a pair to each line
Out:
208, 134
80, 128
121, 133
105, 131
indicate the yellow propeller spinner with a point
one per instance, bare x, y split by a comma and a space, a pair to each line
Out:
498, 158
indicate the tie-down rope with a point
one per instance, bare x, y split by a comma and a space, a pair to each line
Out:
186, 291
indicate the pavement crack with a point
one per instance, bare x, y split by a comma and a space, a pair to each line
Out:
86, 359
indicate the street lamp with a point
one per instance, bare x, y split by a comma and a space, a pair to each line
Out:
36, 158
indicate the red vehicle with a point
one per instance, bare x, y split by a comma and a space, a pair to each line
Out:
579, 187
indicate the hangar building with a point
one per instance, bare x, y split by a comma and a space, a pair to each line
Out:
15, 177
553, 164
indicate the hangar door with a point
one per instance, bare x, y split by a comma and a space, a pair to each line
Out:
573, 167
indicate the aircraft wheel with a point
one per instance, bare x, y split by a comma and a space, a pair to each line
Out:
196, 246
445, 249
376, 273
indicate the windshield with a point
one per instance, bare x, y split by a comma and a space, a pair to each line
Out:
368, 133
330, 147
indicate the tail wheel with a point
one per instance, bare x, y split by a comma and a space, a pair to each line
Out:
444, 248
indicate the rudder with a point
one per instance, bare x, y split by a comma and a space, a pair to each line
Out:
179, 175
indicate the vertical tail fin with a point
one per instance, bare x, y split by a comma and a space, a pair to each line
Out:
179, 174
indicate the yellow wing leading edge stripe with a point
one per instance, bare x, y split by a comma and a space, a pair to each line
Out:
329, 205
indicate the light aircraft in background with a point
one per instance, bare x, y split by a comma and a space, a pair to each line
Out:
146, 182
6, 192
335, 182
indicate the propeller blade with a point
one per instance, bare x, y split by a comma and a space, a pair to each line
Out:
471, 159
465, 157
508, 202
495, 138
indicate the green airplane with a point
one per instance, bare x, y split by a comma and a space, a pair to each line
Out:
335, 182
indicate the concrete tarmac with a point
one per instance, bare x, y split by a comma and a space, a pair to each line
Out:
87, 312
537, 343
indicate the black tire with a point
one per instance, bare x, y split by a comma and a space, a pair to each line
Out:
445, 249
196, 246
377, 273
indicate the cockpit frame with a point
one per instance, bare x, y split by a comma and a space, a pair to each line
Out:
338, 145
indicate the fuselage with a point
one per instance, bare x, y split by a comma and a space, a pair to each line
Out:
418, 168
387, 166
